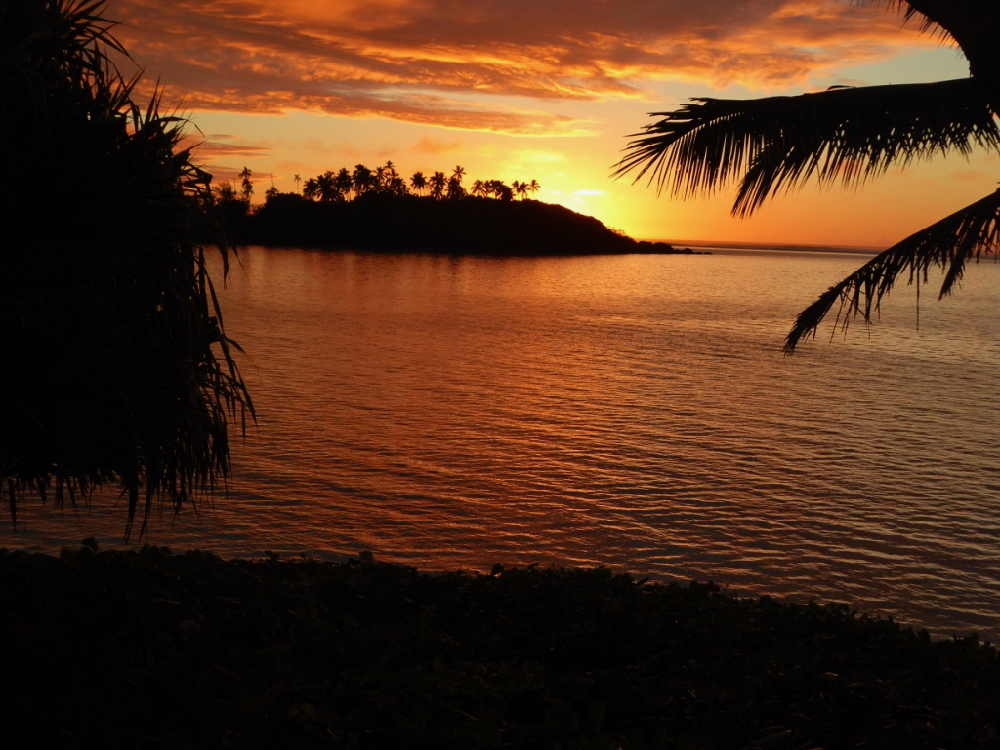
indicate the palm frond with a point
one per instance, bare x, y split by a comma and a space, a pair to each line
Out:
910, 13
950, 244
844, 134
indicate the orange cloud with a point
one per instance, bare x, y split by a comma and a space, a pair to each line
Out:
427, 145
447, 63
217, 145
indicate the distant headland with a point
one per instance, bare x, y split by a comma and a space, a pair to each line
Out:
385, 216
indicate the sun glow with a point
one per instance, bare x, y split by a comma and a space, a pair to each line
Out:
304, 89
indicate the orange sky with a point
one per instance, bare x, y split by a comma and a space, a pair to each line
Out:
523, 89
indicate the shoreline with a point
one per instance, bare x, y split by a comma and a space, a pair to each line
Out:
190, 650
776, 247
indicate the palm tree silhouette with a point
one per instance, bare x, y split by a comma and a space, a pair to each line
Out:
344, 182
311, 189
499, 190
847, 135
362, 178
326, 188
438, 183
247, 185
418, 182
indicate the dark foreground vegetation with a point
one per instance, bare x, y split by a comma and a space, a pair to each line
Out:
118, 369
148, 649
390, 222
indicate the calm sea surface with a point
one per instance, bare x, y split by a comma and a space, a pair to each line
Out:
628, 411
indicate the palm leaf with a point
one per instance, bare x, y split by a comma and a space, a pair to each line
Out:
844, 134
910, 13
949, 245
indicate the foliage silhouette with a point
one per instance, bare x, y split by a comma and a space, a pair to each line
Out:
389, 222
361, 654
847, 135
120, 372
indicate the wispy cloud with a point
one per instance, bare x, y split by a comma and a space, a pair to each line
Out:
217, 146
435, 146
491, 65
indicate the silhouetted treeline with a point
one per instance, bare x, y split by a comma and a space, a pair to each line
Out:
402, 221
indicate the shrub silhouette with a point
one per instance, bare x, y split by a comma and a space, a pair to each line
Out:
118, 369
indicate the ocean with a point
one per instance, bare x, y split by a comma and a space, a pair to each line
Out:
634, 412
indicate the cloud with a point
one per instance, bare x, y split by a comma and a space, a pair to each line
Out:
972, 175
490, 65
217, 146
434, 146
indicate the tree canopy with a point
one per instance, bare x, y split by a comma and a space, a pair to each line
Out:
847, 135
118, 368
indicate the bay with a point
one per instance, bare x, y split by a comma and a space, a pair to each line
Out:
629, 411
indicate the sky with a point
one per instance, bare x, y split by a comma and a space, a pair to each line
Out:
545, 90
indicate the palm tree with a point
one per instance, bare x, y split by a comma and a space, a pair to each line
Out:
454, 188
297, 179
438, 183
533, 187
121, 374
847, 135
344, 182
311, 189
326, 188
362, 179
418, 182
247, 185
397, 186
499, 190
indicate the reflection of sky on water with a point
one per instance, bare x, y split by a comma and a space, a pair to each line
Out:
630, 411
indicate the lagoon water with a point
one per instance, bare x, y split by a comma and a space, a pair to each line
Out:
628, 411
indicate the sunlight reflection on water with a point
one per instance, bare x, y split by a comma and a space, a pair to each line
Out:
630, 411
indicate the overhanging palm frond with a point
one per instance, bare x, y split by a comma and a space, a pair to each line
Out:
909, 12
845, 134
949, 245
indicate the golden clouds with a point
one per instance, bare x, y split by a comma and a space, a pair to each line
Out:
458, 64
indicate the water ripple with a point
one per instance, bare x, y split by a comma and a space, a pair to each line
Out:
631, 411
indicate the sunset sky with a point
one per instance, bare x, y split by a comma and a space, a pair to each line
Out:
537, 89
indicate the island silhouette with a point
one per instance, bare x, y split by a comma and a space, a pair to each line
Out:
377, 210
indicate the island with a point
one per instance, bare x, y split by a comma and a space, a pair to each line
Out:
391, 222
